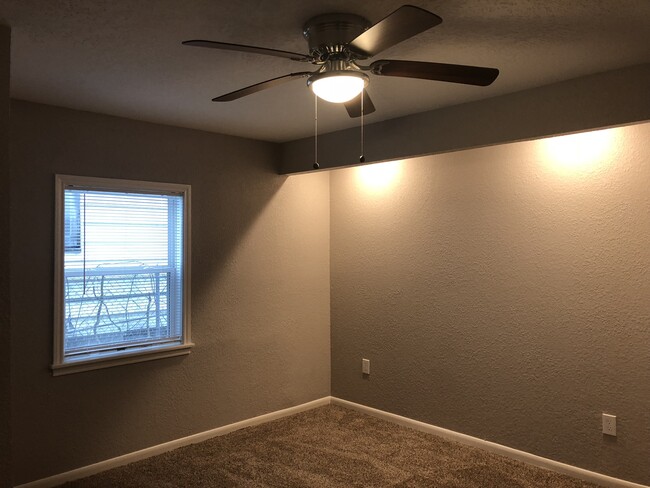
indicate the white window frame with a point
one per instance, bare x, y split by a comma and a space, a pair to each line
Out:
62, 365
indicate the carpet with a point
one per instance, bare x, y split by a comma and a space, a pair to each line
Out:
329, 447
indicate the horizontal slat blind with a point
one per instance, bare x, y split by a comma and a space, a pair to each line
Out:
122, 270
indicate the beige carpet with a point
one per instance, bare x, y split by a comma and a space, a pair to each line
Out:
328, 447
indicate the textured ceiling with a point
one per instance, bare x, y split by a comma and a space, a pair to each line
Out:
124, 57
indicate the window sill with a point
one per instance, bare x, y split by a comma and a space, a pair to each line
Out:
109, 360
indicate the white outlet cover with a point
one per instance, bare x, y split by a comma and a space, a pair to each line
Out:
365, 366
609, 424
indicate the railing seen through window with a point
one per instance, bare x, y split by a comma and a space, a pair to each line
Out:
106, 307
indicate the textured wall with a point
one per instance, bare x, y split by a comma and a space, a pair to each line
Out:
558, 108
5, 426
503, 293
260, 290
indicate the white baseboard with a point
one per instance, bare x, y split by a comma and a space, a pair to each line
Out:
509, 452
169, 446
528, 458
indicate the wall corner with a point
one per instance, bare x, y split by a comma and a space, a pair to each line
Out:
5, 346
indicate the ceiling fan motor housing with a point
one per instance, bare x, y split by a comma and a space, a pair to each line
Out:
329, 34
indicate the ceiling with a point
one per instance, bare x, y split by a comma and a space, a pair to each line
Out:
125, 58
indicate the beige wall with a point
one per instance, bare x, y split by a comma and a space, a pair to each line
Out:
260, 290
5, 363
503, 293
594, 101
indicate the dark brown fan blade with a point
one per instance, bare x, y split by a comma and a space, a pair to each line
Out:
248, 49
354, 106
403, 23
249, 90
454, 73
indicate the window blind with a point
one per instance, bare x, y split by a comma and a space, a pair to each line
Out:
123, 270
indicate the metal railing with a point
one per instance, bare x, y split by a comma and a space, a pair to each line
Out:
106, 307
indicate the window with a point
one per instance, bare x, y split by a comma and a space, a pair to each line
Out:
121, 272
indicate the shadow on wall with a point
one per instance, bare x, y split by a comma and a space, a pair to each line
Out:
135, 406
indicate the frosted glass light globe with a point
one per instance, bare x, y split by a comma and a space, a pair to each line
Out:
338, 88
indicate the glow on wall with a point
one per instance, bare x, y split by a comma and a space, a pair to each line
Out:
584, 152
380, 176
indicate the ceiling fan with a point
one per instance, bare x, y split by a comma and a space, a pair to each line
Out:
337, 42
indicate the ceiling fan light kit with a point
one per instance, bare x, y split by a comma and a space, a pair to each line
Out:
338, 86
338, 80
337, 42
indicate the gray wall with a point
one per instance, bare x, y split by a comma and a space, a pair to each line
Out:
503, 293
260, 290
594, 101
496, 293
5, 181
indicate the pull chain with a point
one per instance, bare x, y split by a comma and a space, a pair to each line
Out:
316, 165
362, 158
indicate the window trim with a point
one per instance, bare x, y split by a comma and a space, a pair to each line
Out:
62, 365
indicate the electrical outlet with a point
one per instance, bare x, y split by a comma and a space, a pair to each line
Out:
365, 366
609, 424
